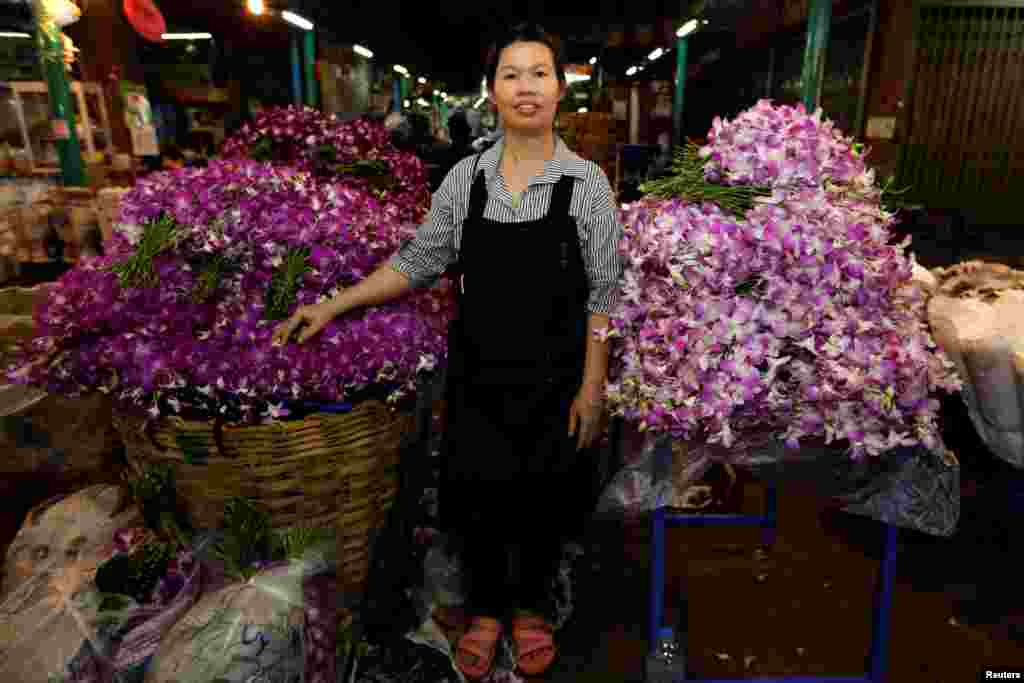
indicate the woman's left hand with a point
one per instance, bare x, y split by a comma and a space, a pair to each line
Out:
585, 415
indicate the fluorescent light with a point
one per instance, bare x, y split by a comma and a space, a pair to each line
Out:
421, 80
641, 68
422, 102
295, 20
6, 34
705, 22
687, 28
444, 96
576, 78
187, 36
630, 71
360, 50
654, 55
436, 93
593, 61
406, 103
256, 7
582, 110
479, 102
401, 69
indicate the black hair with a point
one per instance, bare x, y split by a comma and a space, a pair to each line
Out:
525, 33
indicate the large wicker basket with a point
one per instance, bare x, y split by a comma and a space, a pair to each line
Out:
326, 469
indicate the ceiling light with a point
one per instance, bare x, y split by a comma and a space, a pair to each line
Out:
401, 69
687, 28
630, 71
9, 34
187, 36
255, 7
360, 50
593, 61
436, 93
479, 102
421, 80
406, 104
576, 78
422, 102
444, 96
582, 110
654, 55
296, 20
705, 22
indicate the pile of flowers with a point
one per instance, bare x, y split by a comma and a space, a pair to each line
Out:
356, 153
177, 317
796, 320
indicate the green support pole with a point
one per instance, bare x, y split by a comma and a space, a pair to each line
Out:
296, 72
680, 92
818, 21
309, 58
61, 110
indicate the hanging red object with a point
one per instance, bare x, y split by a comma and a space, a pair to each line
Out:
146, 19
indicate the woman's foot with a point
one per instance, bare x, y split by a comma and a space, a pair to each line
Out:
475, 653
535, 643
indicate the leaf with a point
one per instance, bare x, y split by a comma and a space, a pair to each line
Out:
114, 602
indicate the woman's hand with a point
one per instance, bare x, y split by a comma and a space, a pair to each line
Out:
585, 415
315, 317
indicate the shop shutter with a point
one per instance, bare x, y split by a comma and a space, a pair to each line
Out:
964, 144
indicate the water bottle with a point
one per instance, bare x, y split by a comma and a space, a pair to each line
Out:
665, 663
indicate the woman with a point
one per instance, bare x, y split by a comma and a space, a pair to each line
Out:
531, 232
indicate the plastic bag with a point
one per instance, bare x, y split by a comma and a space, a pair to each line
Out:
278, 627
909, 488
48, 605
985, 340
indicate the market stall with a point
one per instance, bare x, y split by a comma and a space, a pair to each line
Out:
244, 457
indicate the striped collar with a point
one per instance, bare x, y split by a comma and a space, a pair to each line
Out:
564, 162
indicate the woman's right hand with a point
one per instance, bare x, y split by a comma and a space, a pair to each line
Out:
315, 317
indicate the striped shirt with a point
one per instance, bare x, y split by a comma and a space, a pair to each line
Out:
438, 240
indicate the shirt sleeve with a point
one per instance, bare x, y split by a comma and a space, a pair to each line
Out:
602, 232
425, 257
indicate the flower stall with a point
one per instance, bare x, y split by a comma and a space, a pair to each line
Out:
174, 322
766, 318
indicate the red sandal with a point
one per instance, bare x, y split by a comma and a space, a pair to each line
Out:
535, 644
475, 653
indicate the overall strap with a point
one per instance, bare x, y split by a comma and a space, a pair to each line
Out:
477, 193
561, 197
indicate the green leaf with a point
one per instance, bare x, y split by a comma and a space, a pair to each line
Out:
114, 602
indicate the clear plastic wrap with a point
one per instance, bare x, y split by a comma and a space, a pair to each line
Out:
278, 627
909, 488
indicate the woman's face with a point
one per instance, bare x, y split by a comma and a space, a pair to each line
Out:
526, 90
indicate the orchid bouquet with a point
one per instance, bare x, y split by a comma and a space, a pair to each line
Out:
358, 154
177, 317
794, 321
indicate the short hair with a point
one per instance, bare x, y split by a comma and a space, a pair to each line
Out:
525, 33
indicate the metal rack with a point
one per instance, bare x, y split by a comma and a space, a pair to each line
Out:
877, 664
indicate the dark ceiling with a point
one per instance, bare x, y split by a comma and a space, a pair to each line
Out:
443, 40
447, 41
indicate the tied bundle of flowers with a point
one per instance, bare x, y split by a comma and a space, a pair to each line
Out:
792, 319
177, 317
358, 154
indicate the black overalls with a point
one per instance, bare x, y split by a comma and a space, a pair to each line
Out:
513, 486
